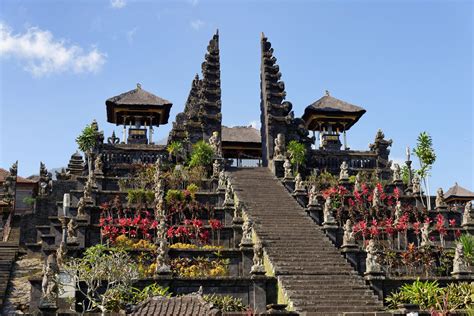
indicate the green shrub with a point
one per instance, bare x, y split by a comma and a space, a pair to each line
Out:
174, 196
467, 241
201, 155
226, 303
192, 188
140, 196
297, 153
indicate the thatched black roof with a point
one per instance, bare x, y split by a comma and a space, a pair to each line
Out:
191, 304
457, 192
137, 101
241, 134
328, 106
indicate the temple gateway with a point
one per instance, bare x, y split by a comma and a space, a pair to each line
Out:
231, 220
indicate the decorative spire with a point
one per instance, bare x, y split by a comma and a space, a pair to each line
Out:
139, 86
327, 93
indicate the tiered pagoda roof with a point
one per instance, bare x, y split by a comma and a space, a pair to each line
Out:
458, 193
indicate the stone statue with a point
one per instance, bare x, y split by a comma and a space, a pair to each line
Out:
228, 198
247, 232
49, 284
376, 198
439, 202
258, 258
288, 169
88, 188
279, 150
299, 184
466, 215
371, 264
396, 177
63, 174
328, 218
45, 181
222, 180
460, 265
216, 168
61, 254
416, 185
162, 259
81, 207
425, 235
71, 230
313, 196
344, 173
98, 165
348, 237
215, 143
357, 184
398, 211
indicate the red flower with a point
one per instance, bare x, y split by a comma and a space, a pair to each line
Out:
396, 193
416, 227
170, 232
452, 222
351, 202
197, 223
215, 224
389, 226
457, 233
204, 236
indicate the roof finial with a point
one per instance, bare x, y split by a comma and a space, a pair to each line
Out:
217, 31
139, 86
327, 93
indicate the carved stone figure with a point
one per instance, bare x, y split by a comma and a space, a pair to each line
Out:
247, 232
313, 196
221, 185
371, 264
216, 168
63, 174
279, 151
45, 181
162, 259
398, 211
72, 230
88, 188
460, 265
416, 185
257, 266
299, 184
215, 143
81, 207
228, 198
288, 169
357, 184
425, 235
376, 198
396, 177
439, 202
49, 283
344, 173
98, 165
466, 215
348, 237
61, 254
328, 218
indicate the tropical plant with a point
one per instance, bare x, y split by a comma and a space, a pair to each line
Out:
175, 149
120, 297
467, 241
140, 196
226, 303
87, 141
297, 152
200, 267
426, 157
100, 274
201, 155
424, 294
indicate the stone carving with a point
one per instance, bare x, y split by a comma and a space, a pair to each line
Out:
162, 259
288, 169
425, 235
357, 184
215, 143
328, 218
45, 182
222, 180
416, 185
348, 237
113, 139
257, 266
49, 284
439, 202
63, 174
9, 184
279, 151
88, 188
98, 165
299, 184
371, 264
466, 215
72, 230
228, 198
344, 173
216, 168
81, 207
398, 211
313, 196
247, 232
61, 254
460, 265
376, 198
396, 176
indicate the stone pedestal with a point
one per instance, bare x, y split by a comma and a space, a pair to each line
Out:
277, 168
352, 253
289, 184
301, 197
259, 302
372, 275
331, 230
48, 307
316, 213
247, 259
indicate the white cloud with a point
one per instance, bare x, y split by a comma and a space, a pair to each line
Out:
197, 24
255, 124
42, 54
118, 4
131, 35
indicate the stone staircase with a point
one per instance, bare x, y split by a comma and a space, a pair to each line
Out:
8, 253
314, 276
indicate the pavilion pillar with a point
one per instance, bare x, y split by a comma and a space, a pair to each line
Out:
345, 140
124, 131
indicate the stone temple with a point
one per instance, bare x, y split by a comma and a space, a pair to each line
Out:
228, 220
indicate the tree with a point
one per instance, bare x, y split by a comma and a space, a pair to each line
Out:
297, 153
426, 157
175, 149
202, 155
87, 141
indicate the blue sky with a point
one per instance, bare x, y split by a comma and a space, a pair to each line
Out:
408, 63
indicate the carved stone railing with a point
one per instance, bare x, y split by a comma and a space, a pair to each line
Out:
131, 154
331, 160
